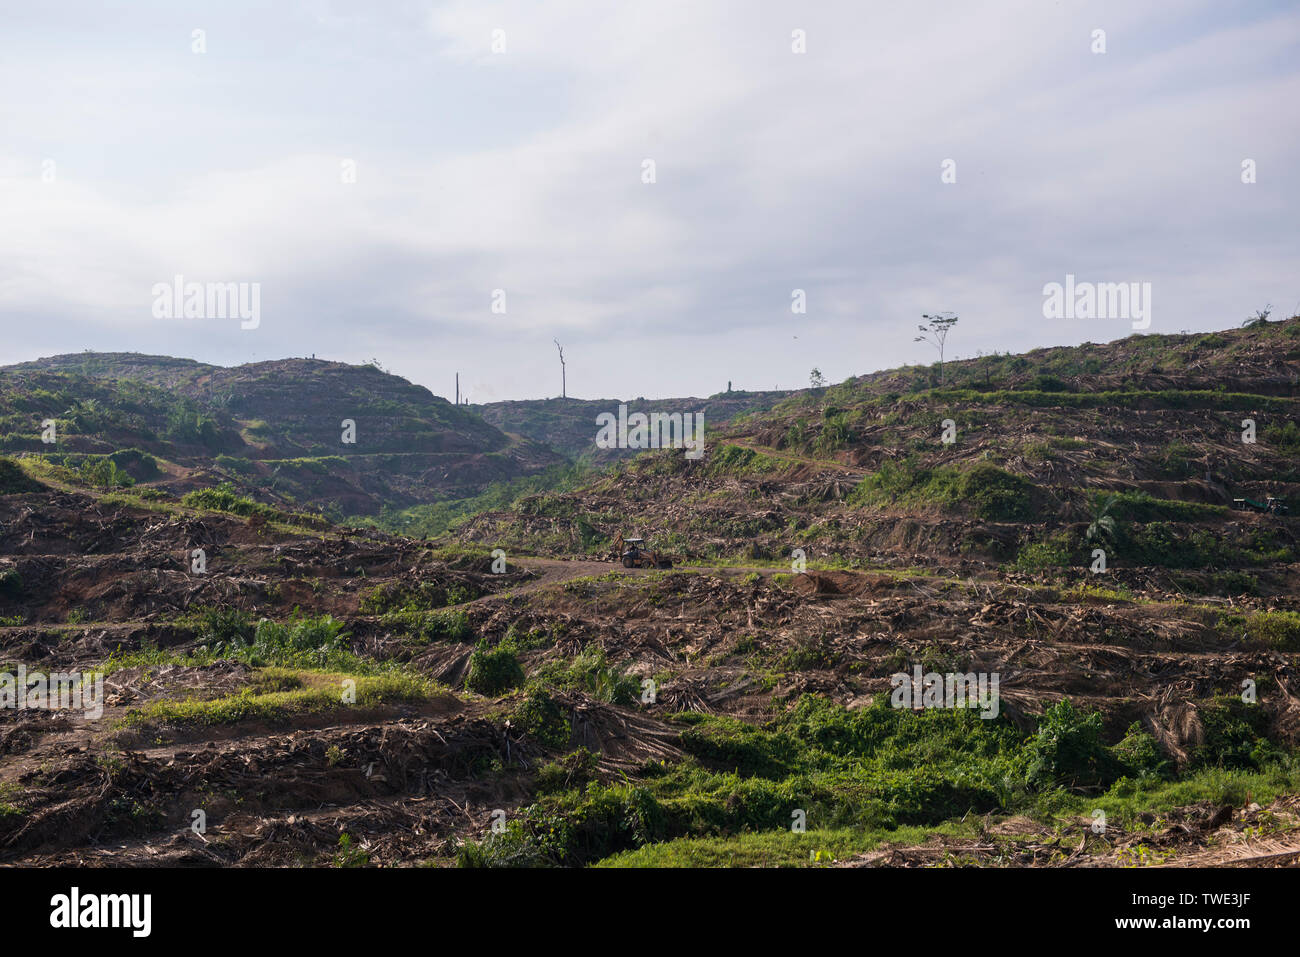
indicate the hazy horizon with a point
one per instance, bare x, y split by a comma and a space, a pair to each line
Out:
699, 394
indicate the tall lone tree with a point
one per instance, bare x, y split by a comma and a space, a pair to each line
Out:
936, 333
563, 381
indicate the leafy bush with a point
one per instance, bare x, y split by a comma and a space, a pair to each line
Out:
103, 473
432, 626
603, 681
138, 464
421, 596
1235, 736
493, 671
1046, 383
574, 770
1040, 556
1068, 749
224, 498
301, 642
1286, 436
995, 494
542, 718
223, 628
988, 491
1140, 753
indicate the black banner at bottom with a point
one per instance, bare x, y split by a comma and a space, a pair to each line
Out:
364, 907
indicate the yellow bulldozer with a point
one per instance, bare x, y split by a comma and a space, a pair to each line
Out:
632, 552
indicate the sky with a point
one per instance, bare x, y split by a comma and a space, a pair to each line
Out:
452, 186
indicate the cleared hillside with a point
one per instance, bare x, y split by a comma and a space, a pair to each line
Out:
569, 425
276, 429
333, 698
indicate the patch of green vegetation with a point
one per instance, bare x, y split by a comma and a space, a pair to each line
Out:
574, 770
219, 627
1235, 736
1086, 592
1068, 442
415, 597
986, 490
494, 670
591, 673
739, 460
11, 800
1068, 750
873, 769
1143, 507
1218, 583
280, 693
809, 654
1045, 383
543, 719
1047, 554
152, 657
137, 463
301, 642
224, 498
1162, 399
1124, 803
433, 520
234, 463
426, 626
1169, 545
348, 855
1286, 436
1278, 630
104, 473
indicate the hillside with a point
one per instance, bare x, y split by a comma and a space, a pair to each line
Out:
562, 710
569, 425
275, 429
859, 473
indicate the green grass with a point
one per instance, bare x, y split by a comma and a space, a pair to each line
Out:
1165, 399
985, 490
1122, 804
436, 519
876, 768
11, 800
281, 693
741, 461
120, 660
777, 848
224, 498
1278, 630
407, 597
1142, 507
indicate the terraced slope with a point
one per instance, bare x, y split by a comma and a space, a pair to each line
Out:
569, 425
278, 430
861, 474
737, 710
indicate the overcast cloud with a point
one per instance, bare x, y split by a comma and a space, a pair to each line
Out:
126, 158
